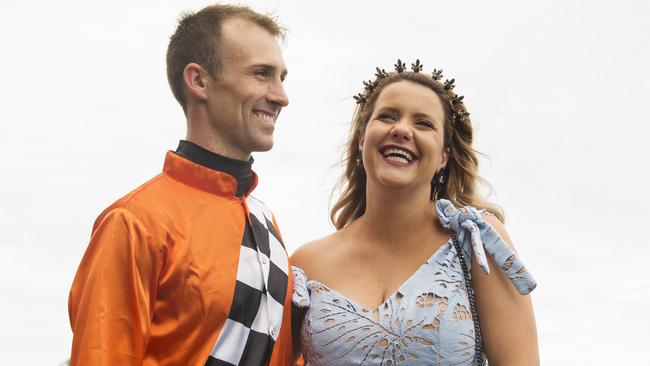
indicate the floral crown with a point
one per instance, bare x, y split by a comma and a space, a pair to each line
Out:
454, 100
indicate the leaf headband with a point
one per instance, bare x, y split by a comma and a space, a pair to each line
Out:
454, 100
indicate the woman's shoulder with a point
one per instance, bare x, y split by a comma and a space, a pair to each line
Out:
314, 256
497, 225
447, 213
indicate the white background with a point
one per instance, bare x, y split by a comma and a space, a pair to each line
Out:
558, 92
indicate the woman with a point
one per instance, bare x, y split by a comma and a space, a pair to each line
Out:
388, 287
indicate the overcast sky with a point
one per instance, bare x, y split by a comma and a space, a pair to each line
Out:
558, 92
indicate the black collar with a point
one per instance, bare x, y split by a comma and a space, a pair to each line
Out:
239, 169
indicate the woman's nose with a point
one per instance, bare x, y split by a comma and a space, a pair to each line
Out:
402, 131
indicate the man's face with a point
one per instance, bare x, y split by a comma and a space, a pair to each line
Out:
247, 96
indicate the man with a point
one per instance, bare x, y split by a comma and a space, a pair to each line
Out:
189, 269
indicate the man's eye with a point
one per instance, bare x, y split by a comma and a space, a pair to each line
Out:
263, 73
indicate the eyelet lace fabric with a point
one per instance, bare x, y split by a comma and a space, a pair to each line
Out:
427, 321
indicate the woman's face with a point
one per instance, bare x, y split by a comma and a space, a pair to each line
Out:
403, 142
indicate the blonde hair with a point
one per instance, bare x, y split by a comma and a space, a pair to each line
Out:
462, 180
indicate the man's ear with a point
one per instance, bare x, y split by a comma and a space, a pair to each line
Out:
195, 81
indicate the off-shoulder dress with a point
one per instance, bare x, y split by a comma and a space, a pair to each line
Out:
426, 321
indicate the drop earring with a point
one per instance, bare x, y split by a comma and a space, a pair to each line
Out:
437, 182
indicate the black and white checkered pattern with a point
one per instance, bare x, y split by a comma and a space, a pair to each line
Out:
255, 317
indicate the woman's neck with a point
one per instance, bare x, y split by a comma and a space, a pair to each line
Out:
397, 215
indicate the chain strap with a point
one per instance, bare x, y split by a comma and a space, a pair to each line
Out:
478, 337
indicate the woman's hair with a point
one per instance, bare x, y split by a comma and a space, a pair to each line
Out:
462, 179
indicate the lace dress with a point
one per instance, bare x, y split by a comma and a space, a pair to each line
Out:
427, 321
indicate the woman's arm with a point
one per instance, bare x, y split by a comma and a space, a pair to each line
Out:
297, 317
302, 259
507, 319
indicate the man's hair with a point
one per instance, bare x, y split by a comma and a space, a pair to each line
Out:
198, 37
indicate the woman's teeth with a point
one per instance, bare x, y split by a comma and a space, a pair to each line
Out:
397, 159
398, 155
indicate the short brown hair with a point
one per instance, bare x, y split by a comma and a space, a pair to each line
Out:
197, 40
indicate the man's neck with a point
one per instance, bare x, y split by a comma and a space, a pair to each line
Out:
202, 133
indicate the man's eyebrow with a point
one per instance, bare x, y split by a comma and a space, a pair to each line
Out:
270, 67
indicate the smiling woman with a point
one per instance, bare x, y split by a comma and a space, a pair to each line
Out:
412, 117
390, 286
459, 179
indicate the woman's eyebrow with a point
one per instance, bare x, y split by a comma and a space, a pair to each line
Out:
423, 115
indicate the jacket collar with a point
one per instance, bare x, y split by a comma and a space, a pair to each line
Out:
201, 177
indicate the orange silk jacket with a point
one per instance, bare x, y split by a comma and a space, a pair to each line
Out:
156, 283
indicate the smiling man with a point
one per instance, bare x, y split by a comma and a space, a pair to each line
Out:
189, 268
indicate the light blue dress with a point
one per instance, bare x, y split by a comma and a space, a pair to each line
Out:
427, 321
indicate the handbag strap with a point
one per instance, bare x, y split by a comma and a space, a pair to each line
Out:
478, 337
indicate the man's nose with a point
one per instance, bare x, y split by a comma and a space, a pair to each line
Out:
277, 95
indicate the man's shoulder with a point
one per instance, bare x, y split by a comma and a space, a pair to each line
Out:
146, 192
144, 200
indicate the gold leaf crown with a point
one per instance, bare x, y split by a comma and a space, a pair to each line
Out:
455, 101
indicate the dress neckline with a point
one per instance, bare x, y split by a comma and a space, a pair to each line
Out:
446, 244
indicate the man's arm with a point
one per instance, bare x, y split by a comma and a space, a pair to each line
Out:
113, 294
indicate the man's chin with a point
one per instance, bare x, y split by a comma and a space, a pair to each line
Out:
265, 146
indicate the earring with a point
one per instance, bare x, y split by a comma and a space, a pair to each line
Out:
437, 182
359, 161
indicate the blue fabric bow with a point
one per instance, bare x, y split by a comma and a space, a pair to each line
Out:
468, 222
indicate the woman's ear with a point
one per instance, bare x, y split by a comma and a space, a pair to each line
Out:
445, 158
362, 139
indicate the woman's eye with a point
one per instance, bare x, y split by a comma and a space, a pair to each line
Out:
425, 123
386, 116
